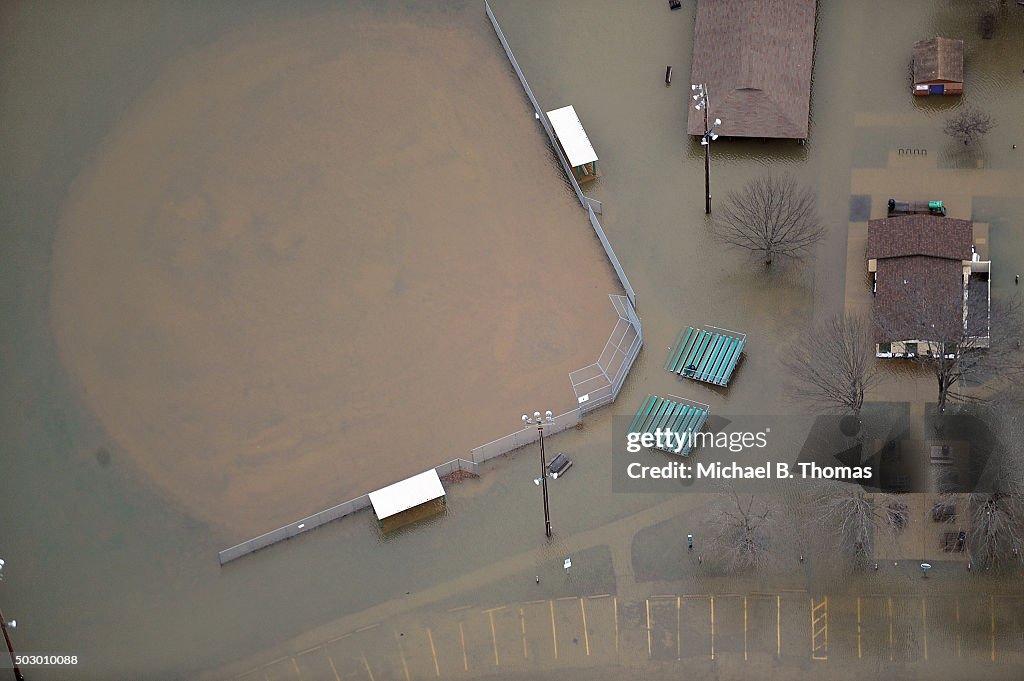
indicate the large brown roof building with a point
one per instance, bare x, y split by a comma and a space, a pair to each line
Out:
755, 57
922, 265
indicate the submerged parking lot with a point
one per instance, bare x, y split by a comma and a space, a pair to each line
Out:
789, 633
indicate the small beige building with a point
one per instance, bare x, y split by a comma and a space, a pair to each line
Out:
938, 67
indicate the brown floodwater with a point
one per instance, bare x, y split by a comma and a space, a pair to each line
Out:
145, 179
316, 257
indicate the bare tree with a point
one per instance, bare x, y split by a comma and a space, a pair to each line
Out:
858, 519
741, 532
770, 217
969, 125
834, 365
996, 535
995, 506
985, 347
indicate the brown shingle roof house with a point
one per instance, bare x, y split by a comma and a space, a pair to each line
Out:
755, 57
918, 261
939, 67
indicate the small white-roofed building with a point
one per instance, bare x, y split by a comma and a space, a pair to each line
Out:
419, 495
574, 142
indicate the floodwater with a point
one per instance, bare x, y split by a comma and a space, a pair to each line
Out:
103, 563
315, 242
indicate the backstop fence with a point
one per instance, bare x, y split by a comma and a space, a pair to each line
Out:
598, 384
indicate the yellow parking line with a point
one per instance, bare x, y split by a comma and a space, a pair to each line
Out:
461, 607
712, 627
273, 662
958, 628
333, 669
366, 628
615, 610
522, 626
649, 652
679, 608
744, 628
462, 640
992, 609
494, 637
554, 633
586, 636
924, 625
298, 674
566, 598
338, 638
369, 671
500, 607
891, 650
778, 625
433, 651
594, 598
859, 651
401, 657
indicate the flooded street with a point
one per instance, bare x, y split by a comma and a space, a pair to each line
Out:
104, 563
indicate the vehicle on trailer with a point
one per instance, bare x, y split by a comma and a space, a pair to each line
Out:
916, 208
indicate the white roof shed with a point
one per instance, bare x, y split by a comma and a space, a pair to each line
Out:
572, 136
403, 495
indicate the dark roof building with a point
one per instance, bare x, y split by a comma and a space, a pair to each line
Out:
939, 66
918, 263
755, 57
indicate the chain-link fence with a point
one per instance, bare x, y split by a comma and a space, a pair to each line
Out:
598, 384
325, 516
592, 205
523, 437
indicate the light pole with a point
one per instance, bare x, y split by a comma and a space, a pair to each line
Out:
548, 418
7, 636
701, 97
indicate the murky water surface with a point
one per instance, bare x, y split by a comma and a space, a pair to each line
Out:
103, 565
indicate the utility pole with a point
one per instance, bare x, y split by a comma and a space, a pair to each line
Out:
10, 648
701, 97
548, 418
7, 635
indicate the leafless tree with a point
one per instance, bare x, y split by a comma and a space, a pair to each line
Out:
858, 519
986, 347
969, 125
995, 537
770, 217
995, 507
740, 534
834, 365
